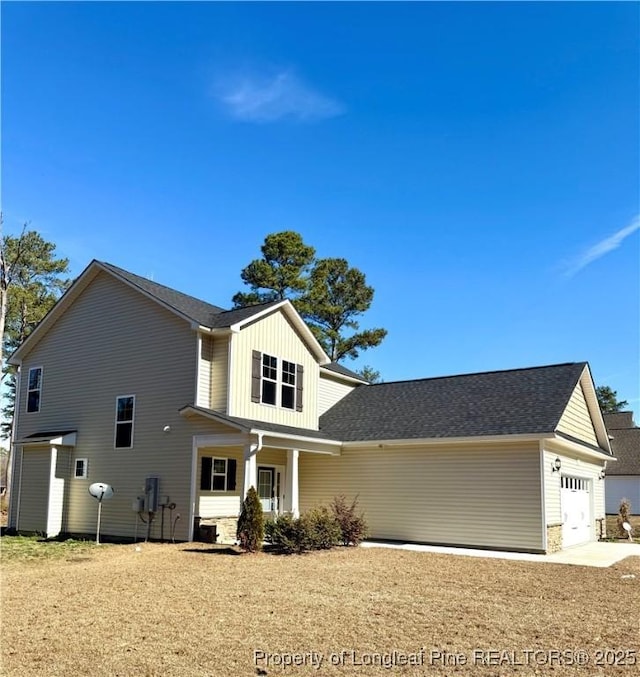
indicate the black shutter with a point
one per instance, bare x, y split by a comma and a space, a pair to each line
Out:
231, 474
256, 374
299, 373
205, 473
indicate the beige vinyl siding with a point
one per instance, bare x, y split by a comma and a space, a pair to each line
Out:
227, 503
575, 467
331, 391
275, 336
484, 497
36, 469
220, 373
114, 341
220, 503
205, 367
576, 420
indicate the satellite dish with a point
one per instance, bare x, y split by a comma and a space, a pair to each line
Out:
101, 491
626, 526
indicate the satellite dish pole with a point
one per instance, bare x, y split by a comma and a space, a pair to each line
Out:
100, 491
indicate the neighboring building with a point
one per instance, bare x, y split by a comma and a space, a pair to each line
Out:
182, 406
623, 474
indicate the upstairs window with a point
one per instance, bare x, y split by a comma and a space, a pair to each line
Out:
276, 381
288, 389
125, 411
34, 389
269, 379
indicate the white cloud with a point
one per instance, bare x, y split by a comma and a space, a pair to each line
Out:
603, 247
279, 97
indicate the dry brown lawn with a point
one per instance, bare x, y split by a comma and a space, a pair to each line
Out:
190, 609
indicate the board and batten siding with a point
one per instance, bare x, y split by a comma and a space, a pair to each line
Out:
205, 368
36, 467
576, 420
479, 497
331, 391
113, 341
573, 467
275, 336
220, 374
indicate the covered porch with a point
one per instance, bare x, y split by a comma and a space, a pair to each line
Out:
242, 454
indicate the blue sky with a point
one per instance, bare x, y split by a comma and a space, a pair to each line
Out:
478, 161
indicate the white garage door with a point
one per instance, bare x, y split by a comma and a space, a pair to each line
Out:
576, 511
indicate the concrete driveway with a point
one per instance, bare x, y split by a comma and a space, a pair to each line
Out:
589, 555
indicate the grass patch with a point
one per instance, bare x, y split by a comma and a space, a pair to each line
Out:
177, 611
38, 549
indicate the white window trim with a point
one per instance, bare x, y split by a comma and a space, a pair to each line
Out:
85, 466
293, 385
34, 390
133, 418
213, 474
279, 383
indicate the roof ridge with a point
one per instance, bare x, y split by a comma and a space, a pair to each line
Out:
252, 305
481, 373
119, 270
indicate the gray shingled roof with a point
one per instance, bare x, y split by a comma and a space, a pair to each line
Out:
625, 444
618, 420
199, 311
264, 425
519, 401
339, 369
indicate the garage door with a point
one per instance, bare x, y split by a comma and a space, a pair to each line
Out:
576, 511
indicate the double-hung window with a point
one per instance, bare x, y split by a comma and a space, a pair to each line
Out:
125, 411
269, 379
34, 389
288, 387
217, 474
276, 381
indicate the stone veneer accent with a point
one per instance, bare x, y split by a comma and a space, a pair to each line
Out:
226, 528
554, 538
601, 528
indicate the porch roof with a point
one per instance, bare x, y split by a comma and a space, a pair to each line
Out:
246, 425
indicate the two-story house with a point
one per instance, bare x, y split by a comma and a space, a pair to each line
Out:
181, 406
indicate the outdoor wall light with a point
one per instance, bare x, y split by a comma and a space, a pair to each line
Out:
601, 475
557, 464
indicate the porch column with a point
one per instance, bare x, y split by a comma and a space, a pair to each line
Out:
250, 468
292, 504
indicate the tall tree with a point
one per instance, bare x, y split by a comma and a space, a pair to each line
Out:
280, 273
608, 400
31, 281
370, 374
328, 293
337, 295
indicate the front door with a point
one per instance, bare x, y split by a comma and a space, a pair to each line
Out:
266, 492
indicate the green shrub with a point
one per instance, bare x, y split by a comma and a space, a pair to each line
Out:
282, 532
316, 529
353, 527
250, 531
321, 529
